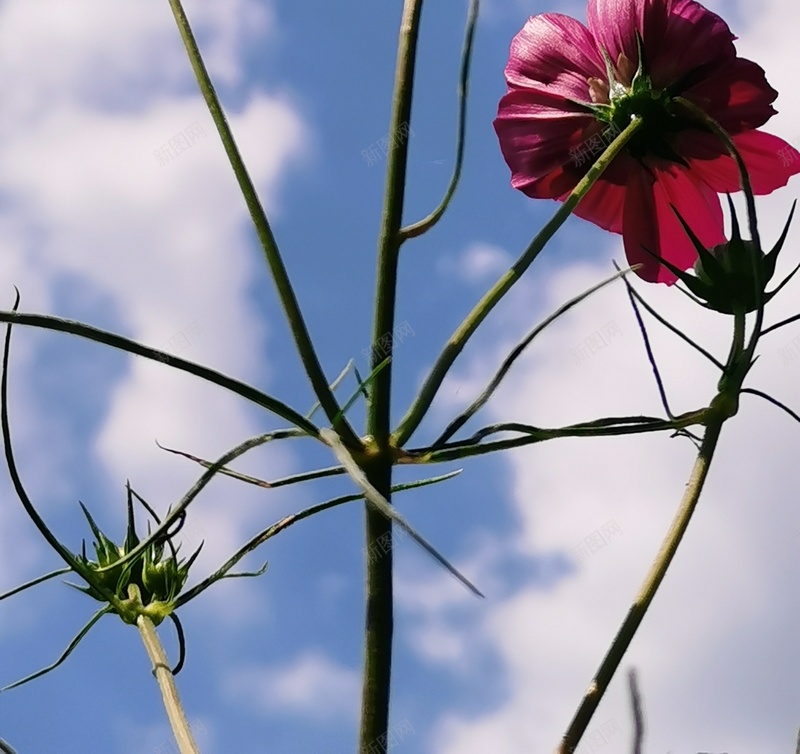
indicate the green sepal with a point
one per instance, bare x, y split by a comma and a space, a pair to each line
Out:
770, 260
732, 276
641, 80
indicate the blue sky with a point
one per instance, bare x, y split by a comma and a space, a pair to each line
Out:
96, 227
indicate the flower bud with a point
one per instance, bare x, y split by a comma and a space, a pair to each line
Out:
155, 579
732, 277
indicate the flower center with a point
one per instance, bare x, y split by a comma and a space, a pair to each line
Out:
629, 93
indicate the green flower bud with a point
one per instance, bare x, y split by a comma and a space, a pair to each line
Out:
156, 580
163, 579
732, 277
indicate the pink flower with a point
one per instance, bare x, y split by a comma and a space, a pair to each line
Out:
572, 88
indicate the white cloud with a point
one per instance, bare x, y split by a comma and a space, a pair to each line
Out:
313, 686
158, 738
716, 653
479, 263
94, 53
88, 100
706, 635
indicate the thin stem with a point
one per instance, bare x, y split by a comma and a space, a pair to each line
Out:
773, 401
34, 582
304, 476
649, 350
424, 225
725, 138
782, 323
737, 344
379, 599
636, 710
176, 621
65, 654
77, 565
340, 377
752, 218
166, 682
610, 427
288, 521
672, 327
361, 389
644, 598
459, 339
378, 501
266, 238
179, 511
58, 324
516, 352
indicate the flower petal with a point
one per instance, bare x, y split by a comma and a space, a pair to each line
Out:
556, 53
614, 24
736, 95
650, 222
696, 42
770, 161
537, 135
604, 204
681, 38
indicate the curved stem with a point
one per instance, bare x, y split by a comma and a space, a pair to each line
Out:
288, 521
459, 339
773, 401
782, 323
637, 713
752, 218
266, 238
65, 654
34, 582
517, 351
166, 682
651, 357
178, 512
647, 592
424, 225
57, 324
636, 295
77, 565
611, 427
725, 138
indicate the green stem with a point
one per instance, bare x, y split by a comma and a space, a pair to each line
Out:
459, 339
646, 594
166, 682
160, 532
725, 138
77, 565
635, 295
266, 238
517, 351
752, 218
58, 324
612, 427
34, 582
424, 225
288, 521
380, 601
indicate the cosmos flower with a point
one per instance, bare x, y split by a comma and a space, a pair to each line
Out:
571, 89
